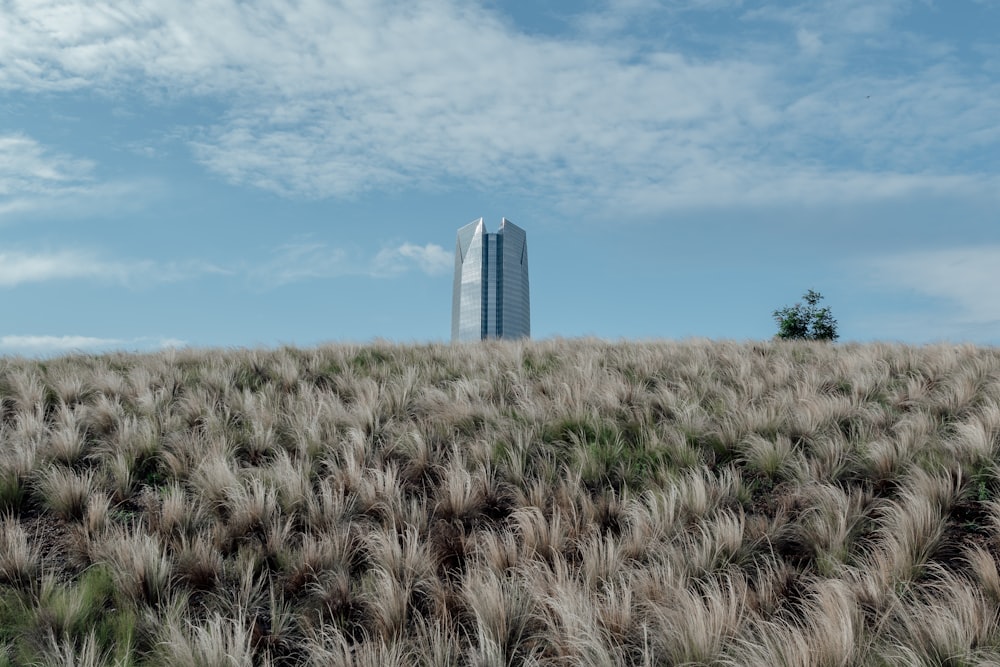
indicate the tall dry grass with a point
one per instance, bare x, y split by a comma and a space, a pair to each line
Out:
550, 503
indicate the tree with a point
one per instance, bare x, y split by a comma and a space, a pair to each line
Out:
806, 322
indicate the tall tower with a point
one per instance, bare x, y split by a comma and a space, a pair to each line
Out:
490, 293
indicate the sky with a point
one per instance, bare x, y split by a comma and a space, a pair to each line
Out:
244, 173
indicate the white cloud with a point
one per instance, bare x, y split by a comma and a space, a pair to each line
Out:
31, 176
611, 16
54, 343
431, 259
36, 179
845, 17
965, 279
968, 277
809, 41
25, 165
334, 99
298, 261
36, 345
306, 259
744, 184
17, 268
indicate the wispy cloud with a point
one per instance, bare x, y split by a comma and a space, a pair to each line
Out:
315, 260
298, 261
305, 260
31, 176
809, 41
964, 280
334, 99
431, 259
42, 345
36, 179
835, 16
25, 165
17, 268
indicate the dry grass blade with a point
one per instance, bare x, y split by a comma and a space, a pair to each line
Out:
540, 502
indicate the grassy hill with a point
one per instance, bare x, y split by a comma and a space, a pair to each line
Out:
550, 503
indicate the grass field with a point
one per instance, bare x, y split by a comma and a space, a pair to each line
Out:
550, 503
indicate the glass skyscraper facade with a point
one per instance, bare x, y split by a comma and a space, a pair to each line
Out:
490, 293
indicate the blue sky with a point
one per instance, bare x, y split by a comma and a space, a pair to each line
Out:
263, 172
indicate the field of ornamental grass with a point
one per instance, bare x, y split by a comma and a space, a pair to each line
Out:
558, 502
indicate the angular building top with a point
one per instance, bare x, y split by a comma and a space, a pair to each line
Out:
490, 292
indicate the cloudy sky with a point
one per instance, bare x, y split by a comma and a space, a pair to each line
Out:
261, 172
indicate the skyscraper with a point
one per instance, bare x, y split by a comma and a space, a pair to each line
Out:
490, 294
